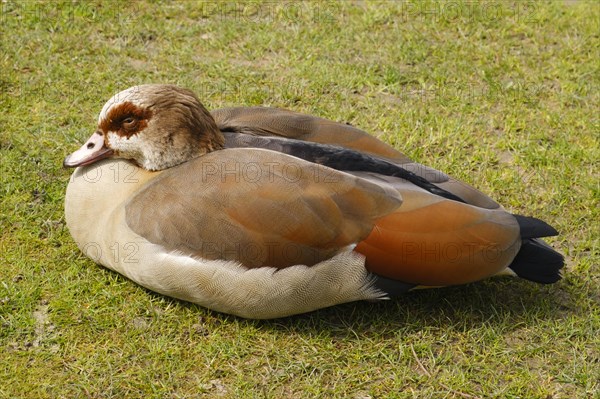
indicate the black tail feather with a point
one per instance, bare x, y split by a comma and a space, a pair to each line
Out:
392, 288
537, 261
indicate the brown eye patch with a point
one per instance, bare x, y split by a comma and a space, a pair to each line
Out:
126, 119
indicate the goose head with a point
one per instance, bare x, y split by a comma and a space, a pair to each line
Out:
156, 126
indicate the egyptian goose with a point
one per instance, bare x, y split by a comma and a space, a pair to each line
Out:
265, 213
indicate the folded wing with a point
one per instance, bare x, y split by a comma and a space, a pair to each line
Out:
274, 122
258, 207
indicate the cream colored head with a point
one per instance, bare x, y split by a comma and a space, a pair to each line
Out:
156, 126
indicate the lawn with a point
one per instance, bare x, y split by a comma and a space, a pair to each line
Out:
504, 95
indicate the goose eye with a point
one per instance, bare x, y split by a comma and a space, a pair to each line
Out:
127, 122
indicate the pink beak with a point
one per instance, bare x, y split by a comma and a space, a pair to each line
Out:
93, 150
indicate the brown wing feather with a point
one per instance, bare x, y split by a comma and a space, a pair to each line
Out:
435, 241
262, 121
258, 207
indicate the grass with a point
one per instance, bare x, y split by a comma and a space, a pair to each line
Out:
502, 95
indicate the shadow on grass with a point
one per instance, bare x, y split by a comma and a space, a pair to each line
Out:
506, 304
501, 303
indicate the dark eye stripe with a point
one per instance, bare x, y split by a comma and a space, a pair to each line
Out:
126, 119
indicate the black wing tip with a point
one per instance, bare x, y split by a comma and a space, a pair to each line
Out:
534, 228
